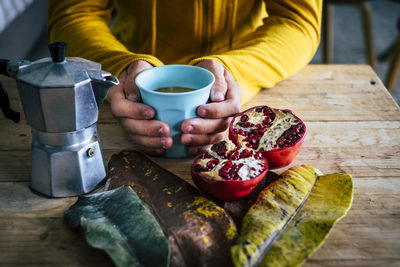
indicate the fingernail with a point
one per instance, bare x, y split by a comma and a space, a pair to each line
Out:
132, 97
187, 140
163, 143
161, 131
147, 114
218, 96
189, 129
202, 112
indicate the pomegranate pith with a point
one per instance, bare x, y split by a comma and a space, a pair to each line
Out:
227, 171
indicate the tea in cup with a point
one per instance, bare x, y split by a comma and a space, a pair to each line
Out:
175, 92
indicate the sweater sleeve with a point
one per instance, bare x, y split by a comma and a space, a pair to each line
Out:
84, 26
283, 45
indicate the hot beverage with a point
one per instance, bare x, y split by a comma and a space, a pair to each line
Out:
174, 89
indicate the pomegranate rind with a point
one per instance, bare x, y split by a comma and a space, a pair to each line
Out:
277, 158
227, 190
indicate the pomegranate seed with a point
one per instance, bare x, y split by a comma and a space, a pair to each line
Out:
244, 118
215, 161
248, 124
268, 112
219, 148
246, 153
228, 163
267, 120
253, 140
235, 156
205, 155
223, 174
210, 165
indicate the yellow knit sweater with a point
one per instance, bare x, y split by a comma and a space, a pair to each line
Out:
258, 42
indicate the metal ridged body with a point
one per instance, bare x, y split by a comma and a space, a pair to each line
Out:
66, 164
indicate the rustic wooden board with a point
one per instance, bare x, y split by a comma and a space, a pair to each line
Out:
373, 159
353, 126
358, 134
373, 231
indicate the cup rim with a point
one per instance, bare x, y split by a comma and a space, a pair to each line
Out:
175, 65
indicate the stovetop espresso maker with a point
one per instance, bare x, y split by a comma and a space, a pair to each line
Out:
60, 98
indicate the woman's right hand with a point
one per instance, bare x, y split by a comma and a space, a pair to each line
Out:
151, 136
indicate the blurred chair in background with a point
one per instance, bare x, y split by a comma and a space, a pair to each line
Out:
328, 16
393, 54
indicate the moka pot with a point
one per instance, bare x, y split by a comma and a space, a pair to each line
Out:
60, 97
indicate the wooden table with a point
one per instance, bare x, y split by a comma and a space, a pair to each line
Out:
353, 126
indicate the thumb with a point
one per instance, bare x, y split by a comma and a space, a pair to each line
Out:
220, 87
130, 88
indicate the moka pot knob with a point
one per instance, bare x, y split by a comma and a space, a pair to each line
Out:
57, 51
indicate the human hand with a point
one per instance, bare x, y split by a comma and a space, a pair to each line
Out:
226, 98
151, 136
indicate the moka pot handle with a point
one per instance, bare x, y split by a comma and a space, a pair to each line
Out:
4, 99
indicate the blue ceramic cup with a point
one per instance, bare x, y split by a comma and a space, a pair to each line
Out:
174, 108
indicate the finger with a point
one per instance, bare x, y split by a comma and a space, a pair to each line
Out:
201, 139
220, 87
204, 126
130, 89
226, 108
149, 128
219, 110
117, 92
124, 108
152, 142
236, 91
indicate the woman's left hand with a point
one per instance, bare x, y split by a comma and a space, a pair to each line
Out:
226, 100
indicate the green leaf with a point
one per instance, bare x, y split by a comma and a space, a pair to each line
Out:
118, 222
329, 201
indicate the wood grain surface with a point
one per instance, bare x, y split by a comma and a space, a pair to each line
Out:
353, 127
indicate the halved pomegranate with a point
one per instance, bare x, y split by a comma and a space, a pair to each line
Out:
228, 172
277, 134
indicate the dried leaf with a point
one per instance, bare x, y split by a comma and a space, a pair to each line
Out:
329, 201
199, 231
270, 214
